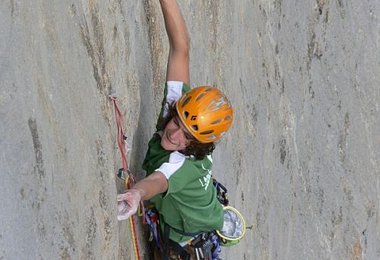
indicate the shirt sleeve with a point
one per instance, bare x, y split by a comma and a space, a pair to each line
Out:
172, 92
176, 161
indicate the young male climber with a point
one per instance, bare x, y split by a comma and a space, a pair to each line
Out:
178, 161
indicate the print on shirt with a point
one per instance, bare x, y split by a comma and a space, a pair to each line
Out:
205, 181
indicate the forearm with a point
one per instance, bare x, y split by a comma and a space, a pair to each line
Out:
175, 26
178, 60
152, 185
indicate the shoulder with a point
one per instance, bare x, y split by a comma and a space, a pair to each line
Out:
192, 177
174, 90
181, 165
203, 165
175, 162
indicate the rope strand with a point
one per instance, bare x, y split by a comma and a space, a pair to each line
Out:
122, 144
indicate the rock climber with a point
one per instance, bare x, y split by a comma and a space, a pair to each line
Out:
178, 162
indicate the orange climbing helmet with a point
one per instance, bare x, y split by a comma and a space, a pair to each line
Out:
206, 113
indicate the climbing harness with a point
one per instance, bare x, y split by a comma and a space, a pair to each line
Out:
124, 173
204, 245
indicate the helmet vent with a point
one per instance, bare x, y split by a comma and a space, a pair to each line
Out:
187, 100
216, 122
185, 114
228, 118
207, 132
194, 127
200, 96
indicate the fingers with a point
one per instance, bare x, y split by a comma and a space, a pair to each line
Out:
127, 204
122, 197
124, 211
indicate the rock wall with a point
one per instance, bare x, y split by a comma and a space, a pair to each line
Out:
301, 161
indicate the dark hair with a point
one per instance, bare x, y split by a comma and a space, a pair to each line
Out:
195, 148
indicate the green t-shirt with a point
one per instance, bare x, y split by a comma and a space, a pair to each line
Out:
190, 203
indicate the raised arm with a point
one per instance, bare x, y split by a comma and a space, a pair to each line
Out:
177, 70
178, 60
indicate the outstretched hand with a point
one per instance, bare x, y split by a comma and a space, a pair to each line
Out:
128, 203
145, 189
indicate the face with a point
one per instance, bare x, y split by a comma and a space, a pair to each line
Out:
175, 136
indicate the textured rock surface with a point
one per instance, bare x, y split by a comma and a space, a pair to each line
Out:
301, 162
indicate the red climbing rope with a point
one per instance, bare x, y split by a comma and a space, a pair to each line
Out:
130, 178
120, 134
